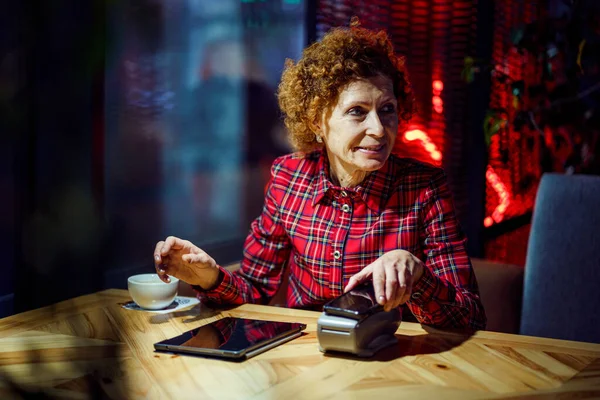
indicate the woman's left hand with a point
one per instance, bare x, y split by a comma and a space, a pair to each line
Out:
393, 274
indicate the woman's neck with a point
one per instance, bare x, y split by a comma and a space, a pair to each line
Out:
345, 178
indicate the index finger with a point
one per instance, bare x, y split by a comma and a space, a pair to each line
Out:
157, 254
358, 278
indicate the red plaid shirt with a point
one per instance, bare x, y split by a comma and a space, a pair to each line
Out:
325, 234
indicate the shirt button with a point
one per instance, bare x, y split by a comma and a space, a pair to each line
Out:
337, 255
416, 295
346, 208
344, 194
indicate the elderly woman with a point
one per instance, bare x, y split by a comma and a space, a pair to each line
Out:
343, 209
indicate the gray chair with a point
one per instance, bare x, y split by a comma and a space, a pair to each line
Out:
561, 293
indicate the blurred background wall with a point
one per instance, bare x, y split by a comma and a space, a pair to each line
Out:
127, 121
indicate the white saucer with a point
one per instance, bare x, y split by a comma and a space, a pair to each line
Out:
179, 303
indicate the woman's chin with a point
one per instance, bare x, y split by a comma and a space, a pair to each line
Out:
371, 162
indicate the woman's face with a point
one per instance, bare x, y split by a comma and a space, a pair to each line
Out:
360, 129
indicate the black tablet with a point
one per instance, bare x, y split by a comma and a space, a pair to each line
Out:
232, 338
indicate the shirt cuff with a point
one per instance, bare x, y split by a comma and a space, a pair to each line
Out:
425, 288
214, 293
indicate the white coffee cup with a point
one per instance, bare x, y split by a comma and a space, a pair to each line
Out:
148, 291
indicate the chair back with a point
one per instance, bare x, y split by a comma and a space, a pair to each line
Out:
561, 293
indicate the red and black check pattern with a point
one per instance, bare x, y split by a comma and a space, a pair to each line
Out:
325, 234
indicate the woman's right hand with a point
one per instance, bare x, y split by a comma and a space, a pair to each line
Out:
185, 261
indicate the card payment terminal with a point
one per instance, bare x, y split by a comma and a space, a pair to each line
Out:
355, 323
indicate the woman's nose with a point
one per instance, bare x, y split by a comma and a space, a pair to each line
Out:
374, 125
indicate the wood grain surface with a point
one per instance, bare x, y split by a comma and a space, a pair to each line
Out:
91, 343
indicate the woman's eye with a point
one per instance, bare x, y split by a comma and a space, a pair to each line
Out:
388, 109
356, 111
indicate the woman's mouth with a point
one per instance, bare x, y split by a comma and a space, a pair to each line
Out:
370, 149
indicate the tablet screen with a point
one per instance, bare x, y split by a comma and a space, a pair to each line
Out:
233, 334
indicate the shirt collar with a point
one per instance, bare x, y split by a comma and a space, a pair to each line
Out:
374, 190
322, 183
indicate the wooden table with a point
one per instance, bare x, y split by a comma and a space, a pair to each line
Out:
92, 342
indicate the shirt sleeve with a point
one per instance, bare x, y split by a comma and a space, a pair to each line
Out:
447, 294
266, 250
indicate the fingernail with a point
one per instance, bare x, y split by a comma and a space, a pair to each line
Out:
157, 257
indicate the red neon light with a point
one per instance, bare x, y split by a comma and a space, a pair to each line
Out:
503, 195
430, 147
436, 100
415, 134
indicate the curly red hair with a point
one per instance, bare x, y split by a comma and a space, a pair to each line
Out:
312, 85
